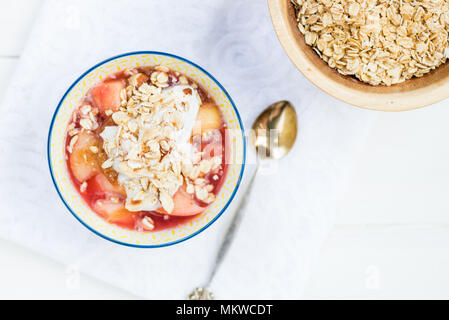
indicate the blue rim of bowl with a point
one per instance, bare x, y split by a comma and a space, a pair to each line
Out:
136, 245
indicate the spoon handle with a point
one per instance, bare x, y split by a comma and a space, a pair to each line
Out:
230, 232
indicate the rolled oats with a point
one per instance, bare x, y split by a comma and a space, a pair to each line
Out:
120, 117
72, 143
85, 109
144, 182
94, 149
162, 68
216, 162
83, 187
86, 124
205, 166
194, 173
159, 79
380, 42
210, 198
201, 193
199, 181
148, 223
135, 80
183, 80
164, 145
108, 163
166, 201
190, 189
73, 132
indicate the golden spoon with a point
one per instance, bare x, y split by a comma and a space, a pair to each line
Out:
273, 136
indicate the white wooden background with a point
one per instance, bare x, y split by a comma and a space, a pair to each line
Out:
391, 237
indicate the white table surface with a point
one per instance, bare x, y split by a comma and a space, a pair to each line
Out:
391, 234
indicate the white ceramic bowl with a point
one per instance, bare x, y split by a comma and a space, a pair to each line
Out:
74, 202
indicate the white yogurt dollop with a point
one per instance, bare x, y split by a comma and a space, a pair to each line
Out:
193, 102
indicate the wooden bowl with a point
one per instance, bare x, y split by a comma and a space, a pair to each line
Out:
411, 94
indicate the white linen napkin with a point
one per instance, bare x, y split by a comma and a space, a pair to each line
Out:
293, 204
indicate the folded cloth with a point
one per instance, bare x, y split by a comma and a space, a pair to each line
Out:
293, 202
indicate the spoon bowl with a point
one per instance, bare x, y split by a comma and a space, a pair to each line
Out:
274, 131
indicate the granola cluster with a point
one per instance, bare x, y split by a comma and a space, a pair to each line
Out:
381, 42
88, 121
147, 142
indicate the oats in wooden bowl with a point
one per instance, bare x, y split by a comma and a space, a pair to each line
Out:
377, 41
375, 54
